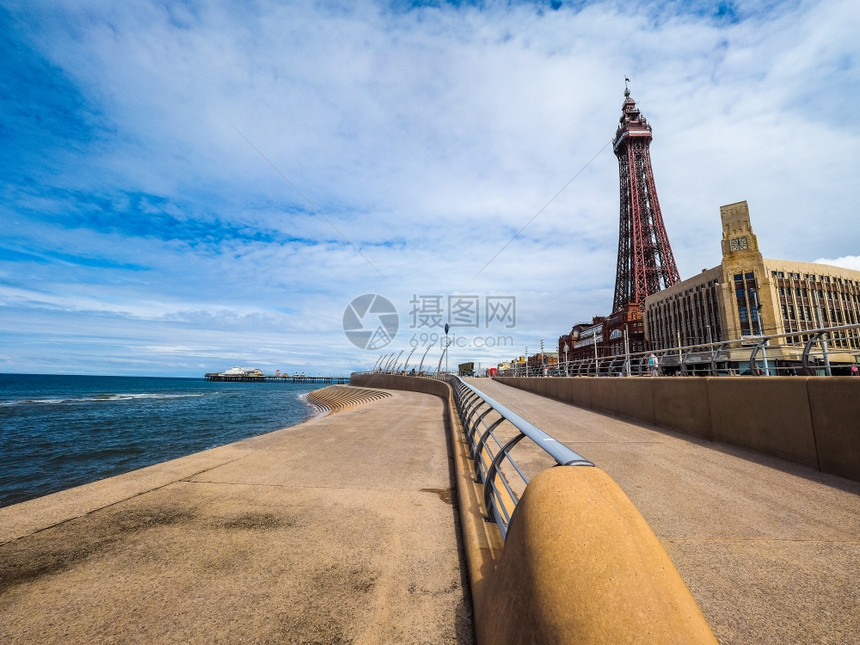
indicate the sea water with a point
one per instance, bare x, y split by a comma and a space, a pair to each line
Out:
62, 431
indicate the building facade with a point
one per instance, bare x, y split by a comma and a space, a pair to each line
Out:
748, 296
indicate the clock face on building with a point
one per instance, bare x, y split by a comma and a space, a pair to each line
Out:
738, 243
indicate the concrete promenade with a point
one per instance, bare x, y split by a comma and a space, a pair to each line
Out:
338, 530
769, 549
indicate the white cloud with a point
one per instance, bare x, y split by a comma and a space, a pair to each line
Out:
429, 138
847, 262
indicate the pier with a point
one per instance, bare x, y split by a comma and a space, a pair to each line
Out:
284, 378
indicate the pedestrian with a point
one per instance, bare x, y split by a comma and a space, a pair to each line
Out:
653, 365
854, 370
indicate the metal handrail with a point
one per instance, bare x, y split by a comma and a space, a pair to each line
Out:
711, 355
481, 416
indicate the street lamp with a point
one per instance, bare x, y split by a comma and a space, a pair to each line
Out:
823, 337
446, 347
626, 352
566, 350
542, 359
757, 308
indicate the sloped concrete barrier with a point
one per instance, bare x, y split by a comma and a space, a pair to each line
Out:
813, 421
834, 404
335, 398
581, 565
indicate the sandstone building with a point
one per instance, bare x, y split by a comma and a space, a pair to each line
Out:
746, 296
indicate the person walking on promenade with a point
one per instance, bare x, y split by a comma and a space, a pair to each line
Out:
653, 365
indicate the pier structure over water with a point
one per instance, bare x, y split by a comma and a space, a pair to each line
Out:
282, 378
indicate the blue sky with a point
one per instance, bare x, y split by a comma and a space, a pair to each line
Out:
193, 185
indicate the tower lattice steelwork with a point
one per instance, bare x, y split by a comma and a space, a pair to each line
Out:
645, 261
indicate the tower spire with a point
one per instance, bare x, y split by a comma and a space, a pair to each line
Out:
645, 260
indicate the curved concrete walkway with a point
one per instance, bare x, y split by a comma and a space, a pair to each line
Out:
338, 530
769, 549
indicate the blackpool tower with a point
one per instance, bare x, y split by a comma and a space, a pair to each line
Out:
646, 264
645, 261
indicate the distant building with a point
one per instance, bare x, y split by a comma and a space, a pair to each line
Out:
585, 340
466, 369
748, 295
542, 361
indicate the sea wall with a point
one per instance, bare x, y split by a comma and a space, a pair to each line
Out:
335, 398
813, 421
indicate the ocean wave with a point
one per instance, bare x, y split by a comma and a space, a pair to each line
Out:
100, 398
316, 409
62, 431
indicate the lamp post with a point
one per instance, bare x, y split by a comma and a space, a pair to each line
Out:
526, 361
446, 347
822, 338
626, 352
566, 365
757, 307
542, 359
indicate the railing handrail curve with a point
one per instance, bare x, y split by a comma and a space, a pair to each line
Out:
488, 452
563, 455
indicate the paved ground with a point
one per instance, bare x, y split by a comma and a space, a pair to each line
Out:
339, 530
769, 549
